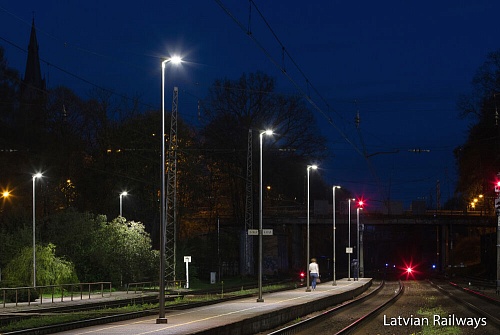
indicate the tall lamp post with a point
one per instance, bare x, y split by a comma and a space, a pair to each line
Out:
349, 250
267, 132
360, 243
35, 176
334, 230
309, 167
124, 193
163, 228
360, 203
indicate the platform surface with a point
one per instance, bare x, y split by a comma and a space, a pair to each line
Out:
200, 319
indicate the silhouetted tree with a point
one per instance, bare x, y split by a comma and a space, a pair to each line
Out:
232, 108
478, 159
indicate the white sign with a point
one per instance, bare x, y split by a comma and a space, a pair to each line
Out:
348, 250
253, 232
267, 232
187, 260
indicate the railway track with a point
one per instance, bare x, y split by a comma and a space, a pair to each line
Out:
347, 316
393, 307
408, 309
484, 305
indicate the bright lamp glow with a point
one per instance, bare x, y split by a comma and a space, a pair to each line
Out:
176, 59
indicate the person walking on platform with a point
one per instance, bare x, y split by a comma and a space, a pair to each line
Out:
314, 273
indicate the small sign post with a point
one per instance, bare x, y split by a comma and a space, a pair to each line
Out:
187, 260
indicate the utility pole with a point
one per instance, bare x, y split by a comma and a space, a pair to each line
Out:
497, 210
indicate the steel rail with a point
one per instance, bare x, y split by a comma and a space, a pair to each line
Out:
303, 325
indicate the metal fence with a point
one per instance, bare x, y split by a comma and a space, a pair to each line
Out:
70, 291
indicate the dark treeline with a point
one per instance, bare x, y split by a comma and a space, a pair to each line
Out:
88, 155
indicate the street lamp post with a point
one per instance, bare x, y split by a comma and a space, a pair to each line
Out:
124, 193
349, 241
360, 242
267, 132
309, 167
334, 231
357, 241
163, 228
35, 176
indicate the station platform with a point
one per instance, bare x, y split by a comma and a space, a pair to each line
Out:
242, 316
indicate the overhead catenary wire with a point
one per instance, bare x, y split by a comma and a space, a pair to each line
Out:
287, 75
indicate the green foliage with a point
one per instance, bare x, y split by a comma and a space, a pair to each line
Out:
121, 252
89, 248
72, 232
51, 270
21, 295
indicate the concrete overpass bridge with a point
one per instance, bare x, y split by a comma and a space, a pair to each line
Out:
443, 239
438, 240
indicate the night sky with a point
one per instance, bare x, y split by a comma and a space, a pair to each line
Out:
402, 65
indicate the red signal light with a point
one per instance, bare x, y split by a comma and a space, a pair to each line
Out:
410, 270
302, 275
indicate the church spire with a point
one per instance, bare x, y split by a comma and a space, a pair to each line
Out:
33, 83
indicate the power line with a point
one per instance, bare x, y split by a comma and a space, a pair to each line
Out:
304, 94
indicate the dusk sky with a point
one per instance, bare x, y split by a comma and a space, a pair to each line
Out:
401, 64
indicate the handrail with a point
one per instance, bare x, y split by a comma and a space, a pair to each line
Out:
63, 287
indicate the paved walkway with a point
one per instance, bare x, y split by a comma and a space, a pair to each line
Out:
247, 313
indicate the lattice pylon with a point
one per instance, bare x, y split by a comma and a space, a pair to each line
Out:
171, 194
246, 267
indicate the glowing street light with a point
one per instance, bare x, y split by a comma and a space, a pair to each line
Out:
334, 230
124, 193
163, 227
309, 167
267, 132
35, 176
